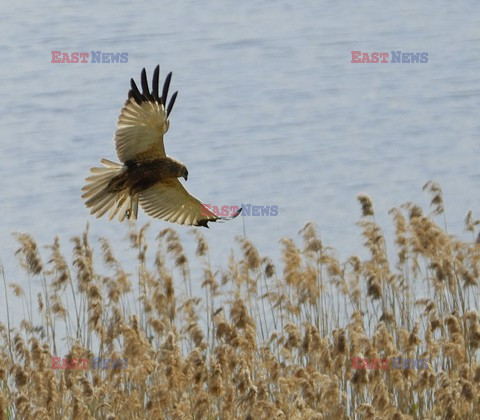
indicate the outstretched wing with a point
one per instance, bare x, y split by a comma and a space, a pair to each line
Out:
170, 201
144, 120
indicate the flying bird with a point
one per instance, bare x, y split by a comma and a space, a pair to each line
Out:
146, 175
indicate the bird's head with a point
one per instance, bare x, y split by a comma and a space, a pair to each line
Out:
184, 172
176, 169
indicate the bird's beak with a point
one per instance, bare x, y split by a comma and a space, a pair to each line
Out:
185, 177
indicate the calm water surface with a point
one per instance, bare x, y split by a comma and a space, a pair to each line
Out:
270, 112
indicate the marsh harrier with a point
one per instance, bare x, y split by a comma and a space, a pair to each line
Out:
146, 176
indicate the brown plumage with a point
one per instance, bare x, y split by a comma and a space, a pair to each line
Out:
147, 176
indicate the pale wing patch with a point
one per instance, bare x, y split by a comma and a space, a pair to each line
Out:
171, 202
140, 130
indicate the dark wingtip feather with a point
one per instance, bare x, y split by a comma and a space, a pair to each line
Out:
146, 95
204, 223
156, 77
224, 219
171, 103
166, 86
135, 92
146, 92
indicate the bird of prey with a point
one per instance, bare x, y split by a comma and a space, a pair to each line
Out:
146, 176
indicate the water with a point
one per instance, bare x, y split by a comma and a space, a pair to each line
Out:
270, 112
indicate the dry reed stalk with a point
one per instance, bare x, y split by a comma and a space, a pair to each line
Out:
263, 341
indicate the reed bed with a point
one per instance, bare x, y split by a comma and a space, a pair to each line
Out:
262, 340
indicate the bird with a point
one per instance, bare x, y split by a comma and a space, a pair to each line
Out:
146, 176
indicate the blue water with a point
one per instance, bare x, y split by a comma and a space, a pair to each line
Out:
270, 112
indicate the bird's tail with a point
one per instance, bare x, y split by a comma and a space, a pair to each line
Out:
100, 195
